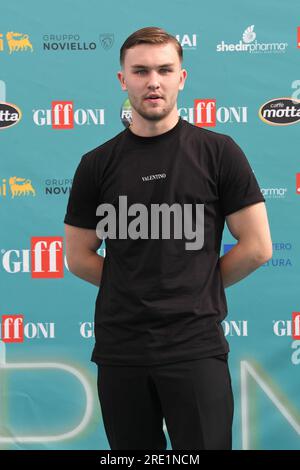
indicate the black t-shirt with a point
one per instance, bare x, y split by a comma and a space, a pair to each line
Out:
158, 302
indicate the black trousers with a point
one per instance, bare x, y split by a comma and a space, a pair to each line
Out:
194, 397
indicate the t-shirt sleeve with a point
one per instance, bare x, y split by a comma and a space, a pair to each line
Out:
238, 186
84, 196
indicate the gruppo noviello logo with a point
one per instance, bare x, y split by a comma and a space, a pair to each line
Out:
73, 42
15, 42
249, 44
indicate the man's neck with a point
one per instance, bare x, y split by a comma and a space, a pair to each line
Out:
145, 128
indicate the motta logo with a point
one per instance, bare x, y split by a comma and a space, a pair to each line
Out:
10, 115
44, 260
63, 116
206, 113
14, 330
16, 42
18, 187
280, 111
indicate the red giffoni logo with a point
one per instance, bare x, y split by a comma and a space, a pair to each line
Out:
205, 113
62, 115
47, 257
12, 328
296, 325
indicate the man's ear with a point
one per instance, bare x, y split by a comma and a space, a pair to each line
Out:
183, 75
121, 79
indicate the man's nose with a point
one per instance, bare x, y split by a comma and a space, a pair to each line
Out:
153, 81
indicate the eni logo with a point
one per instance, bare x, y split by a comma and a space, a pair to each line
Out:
18, 187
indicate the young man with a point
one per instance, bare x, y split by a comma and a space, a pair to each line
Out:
160, 346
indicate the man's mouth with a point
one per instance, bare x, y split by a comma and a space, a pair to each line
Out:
153, 98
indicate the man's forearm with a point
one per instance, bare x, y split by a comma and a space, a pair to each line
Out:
238, 263
89, 268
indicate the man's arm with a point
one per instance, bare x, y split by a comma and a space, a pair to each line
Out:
250, 228
82, 259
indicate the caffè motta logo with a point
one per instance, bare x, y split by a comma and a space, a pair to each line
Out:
15, 42
280, 111
10, 115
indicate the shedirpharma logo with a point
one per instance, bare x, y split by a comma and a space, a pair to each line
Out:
188, 222
280, 112
250, 44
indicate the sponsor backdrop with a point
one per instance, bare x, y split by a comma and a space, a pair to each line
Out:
59, 98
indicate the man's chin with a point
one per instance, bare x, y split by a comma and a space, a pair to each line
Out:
154, 116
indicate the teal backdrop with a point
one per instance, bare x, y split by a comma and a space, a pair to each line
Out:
59, 89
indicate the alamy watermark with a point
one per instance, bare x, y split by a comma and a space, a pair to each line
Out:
160, 216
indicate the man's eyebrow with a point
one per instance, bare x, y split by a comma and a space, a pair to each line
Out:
138, 66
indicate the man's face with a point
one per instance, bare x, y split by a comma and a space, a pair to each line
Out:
152, 76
